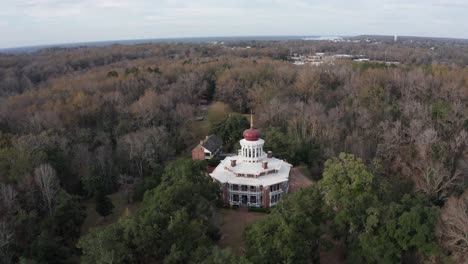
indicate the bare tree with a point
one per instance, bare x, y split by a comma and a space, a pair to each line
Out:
46, 178
435, 180
7, 214
7, 197
453, 226
145, 147
307, 84
6, 238
147, 107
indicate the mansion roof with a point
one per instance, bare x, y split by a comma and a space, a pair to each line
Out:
252, 173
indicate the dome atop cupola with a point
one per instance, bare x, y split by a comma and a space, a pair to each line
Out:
251, 134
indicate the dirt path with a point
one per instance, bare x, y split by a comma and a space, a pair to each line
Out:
298, 181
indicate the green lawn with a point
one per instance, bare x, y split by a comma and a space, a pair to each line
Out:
218, 111
121, 208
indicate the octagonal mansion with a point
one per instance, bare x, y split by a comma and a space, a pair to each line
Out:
253, 177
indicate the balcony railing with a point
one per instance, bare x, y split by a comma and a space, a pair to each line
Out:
276, 192
245, 191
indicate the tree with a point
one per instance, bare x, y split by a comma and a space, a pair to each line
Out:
6, 240
349, 190
67, 218
104, 205
175, 223
146, 148
106, 245
280, 143
293, 231
307, 85
48, 184
397, 229
453, 226
224, 256
147, 107
185, 235
184, 203
46, 248
230, 129
112, 74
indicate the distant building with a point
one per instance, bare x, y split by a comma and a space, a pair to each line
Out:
343, 56
208, 148
253, 177
395, 38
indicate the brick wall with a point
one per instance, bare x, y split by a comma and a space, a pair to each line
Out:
266, 197
225, 194
198, 153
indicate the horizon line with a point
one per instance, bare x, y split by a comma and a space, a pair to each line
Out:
171, 39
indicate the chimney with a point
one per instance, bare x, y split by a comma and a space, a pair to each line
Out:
233, 163
207, 137
265, 165
269, 154
201, 142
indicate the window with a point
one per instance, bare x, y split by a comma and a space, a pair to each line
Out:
235, 187
252, 188
235, 198
275, 198
275, 187
253, 199
244, 188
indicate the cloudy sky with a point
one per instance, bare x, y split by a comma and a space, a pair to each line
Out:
35, 22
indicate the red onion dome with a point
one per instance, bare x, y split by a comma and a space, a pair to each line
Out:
251, 134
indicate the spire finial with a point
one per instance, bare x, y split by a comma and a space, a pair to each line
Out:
251, 119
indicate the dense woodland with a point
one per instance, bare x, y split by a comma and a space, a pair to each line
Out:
80, 124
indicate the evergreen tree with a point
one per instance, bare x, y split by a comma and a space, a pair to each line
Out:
230, 130
104, 205
293, 231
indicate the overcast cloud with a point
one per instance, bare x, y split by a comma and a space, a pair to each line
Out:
35, 22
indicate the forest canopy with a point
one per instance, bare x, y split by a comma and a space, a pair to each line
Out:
79, 124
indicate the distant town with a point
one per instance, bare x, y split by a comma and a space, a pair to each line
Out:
322, 58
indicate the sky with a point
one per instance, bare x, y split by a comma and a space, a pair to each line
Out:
38, 22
